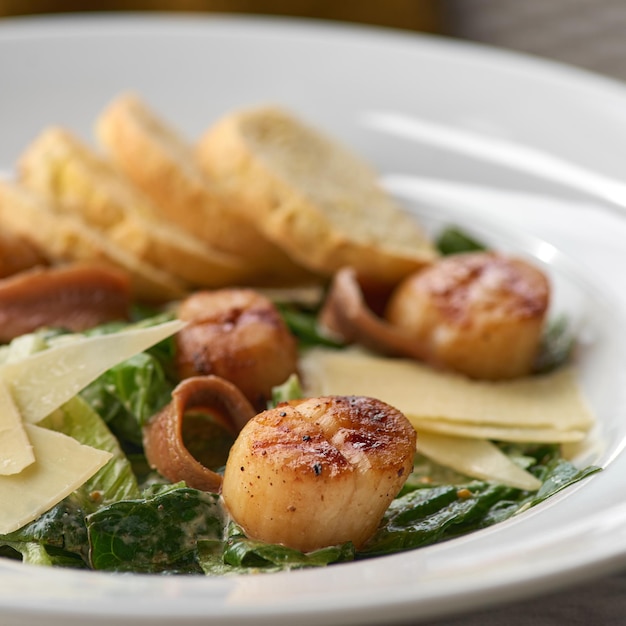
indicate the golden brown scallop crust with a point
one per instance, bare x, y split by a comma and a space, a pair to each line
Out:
319, 471
239, 335
481, 314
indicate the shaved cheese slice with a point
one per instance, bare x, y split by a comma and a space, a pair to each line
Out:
497, 433
476, 458
62, 465
16, 451
551, 401
45, 380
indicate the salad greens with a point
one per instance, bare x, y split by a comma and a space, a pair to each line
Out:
428, 511
126, 518
155, 533
453, 240
115, 523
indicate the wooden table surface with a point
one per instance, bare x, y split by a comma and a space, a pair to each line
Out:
421, 15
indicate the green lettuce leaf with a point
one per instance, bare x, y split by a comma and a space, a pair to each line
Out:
291, 389
34, 553
239, 555
128, 394
427, 513
155, 534
303, 324
454, 240
116, 480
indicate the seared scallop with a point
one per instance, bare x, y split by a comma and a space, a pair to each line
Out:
239, 335
318, 472
480, 314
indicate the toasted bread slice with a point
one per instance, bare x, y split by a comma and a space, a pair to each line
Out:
65, 170
312, 196
63, 237
162, 164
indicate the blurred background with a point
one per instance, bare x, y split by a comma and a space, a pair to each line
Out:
586, 33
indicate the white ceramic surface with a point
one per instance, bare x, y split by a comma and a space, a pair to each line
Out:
527, 151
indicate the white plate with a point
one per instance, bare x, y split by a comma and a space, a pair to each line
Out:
484, 135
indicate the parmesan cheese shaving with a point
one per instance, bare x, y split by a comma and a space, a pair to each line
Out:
548, 402
62, 465
16, 451
497, 433
42, 382
476, 458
